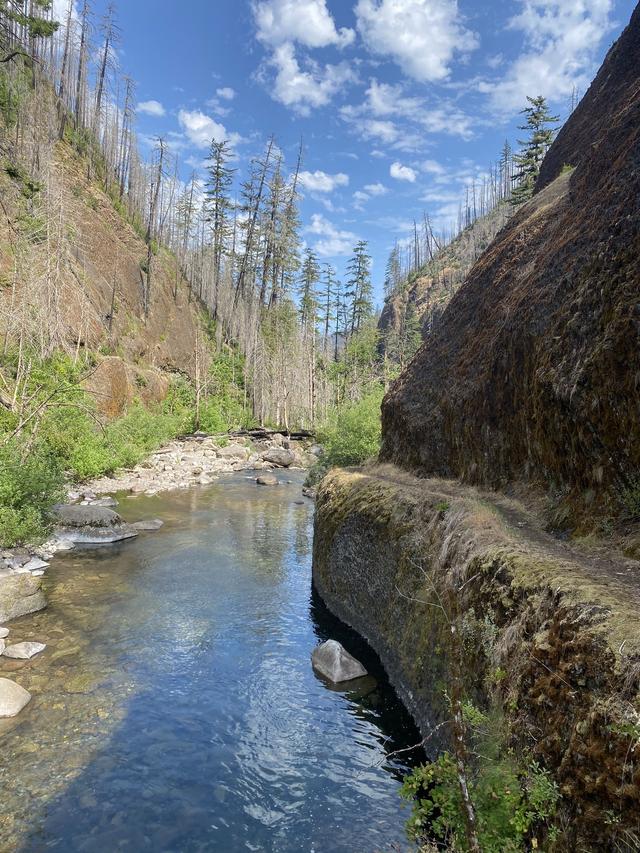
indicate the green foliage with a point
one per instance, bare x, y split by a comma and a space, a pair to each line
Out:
28, 187
539, 125
353, 434
630, 499
511, 802
30, 482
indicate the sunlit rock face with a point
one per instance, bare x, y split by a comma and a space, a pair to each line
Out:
532, 373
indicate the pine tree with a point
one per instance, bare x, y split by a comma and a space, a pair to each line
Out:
307, 294
218, 204
393, 275
360, 290
528, 161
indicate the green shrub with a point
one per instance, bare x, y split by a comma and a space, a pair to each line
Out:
630, 499
511, 801
353, 434
30, 483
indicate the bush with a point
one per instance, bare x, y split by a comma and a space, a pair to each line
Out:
510, 801
30, 483
353, 434
630, 499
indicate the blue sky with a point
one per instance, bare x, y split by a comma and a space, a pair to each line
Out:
398, 102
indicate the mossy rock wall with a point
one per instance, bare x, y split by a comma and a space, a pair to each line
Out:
558, 651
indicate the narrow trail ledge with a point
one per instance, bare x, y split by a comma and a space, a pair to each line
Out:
551, 633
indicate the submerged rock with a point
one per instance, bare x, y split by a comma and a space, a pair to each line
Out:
24, 651
13, 698
267, 480
106, 502
335, 663
150, 524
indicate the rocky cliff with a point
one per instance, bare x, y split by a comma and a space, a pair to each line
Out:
67, 255
550, 633
532, 373
430, 289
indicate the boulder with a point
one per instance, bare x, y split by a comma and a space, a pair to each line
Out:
279, 456
316, 450
20, 594
333, 662
267, 480
13, 698
150, 524
24, 651
35, 564
86, 516
91, 525
233, 451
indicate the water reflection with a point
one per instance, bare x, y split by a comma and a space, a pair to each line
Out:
176, 708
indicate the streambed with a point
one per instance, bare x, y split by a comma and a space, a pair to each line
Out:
175, 708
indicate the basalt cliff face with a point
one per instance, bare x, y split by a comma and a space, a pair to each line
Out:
533, 372
531, 375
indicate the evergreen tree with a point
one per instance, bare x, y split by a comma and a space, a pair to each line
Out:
528, 161
393, 275
328, 305
219, 204
308, 295
35, 21
360, 290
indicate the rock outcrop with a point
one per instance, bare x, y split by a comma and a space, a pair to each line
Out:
550, 636
532, 373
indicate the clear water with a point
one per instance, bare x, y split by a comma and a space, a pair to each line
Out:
175, 708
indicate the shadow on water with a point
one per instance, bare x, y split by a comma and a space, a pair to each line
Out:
223, 739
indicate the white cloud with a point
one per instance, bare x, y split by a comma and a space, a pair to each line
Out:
560, 39
151, 108
201, 129
307, 22
376, 189
226, 93
332, 240
304, 88
378, 117
403, 173
321, 182
421, 36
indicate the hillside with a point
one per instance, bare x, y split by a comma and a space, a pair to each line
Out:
532, 373
67, 253
429, 290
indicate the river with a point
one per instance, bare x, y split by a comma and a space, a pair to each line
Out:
175, 707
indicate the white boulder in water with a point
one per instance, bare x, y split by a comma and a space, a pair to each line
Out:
24, 651
334, 662
13, 698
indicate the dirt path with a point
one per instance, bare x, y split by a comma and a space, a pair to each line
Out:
605, 567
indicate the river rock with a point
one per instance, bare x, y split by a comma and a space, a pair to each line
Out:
148, 525
335, 663
4, 632
91, 525
267, 480
13, 698
279, 456
35, 564
20, 594
106, 502
233, 451
24, 651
